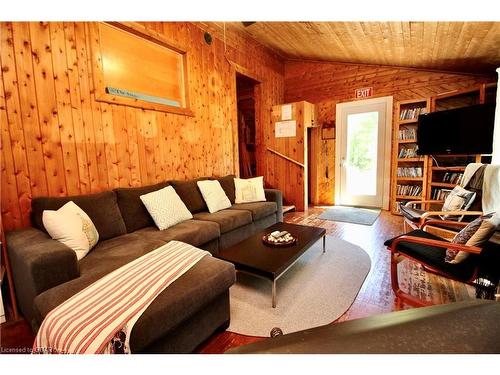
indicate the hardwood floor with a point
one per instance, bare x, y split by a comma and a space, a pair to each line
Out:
375, 297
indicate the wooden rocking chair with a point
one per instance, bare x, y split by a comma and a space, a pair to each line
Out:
430, 250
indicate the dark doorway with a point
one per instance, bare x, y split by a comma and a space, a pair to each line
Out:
245, 94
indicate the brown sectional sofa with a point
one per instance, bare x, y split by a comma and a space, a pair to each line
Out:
46, 272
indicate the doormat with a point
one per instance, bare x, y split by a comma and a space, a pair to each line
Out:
364, 216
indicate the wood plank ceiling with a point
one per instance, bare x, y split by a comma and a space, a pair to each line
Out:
451, 46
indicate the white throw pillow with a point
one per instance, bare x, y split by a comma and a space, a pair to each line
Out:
166, 207
71, 226
214, 196
249, 190
458, 199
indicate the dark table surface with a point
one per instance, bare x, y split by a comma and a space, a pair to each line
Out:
253, 255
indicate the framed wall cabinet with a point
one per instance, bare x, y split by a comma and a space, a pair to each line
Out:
136, 67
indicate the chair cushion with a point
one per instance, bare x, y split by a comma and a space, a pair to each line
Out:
190, 194
410, 213
226, 219
135, 215
182, 299
193, 232
102, 208
434, 256
259, 210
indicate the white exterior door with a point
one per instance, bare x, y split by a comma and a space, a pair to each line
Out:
363, 153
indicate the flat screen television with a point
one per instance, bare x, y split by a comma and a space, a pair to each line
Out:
466, 130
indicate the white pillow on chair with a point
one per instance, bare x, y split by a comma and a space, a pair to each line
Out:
71, 226
458, 199
214, 196
166, 207
249, 190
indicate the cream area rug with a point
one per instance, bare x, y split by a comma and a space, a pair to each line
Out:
317, 290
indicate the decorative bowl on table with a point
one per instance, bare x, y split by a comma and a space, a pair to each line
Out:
279, 239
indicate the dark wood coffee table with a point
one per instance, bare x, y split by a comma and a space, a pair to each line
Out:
256, 258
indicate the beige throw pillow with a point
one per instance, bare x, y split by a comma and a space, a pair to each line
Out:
214, 196
476, 233
249, 190
166, 207
71, 226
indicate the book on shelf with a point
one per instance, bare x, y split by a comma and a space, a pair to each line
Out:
409, 171
407, 133
452, 177
440, 194
408, 152
409, 190
412, 113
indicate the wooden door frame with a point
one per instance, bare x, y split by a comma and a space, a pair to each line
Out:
259, 131
388, 101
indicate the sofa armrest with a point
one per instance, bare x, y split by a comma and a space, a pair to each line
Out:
38, 264
274, 195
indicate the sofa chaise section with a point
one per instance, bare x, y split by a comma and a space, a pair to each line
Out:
194, 294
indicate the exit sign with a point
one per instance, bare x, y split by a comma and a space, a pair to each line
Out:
365, 92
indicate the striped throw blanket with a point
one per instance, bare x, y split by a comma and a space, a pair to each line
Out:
99, 319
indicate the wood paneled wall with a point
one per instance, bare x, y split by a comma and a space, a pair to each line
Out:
326, 84
287, 156
58, 140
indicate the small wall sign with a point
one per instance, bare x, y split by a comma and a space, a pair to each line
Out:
365, 92
286, 112
285, 129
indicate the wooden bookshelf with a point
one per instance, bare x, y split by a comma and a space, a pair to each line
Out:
401, 178
409, 197
443, 184
408, 140
408, 121
409, 160
438, 168
436, 174
457, 168
404, 138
